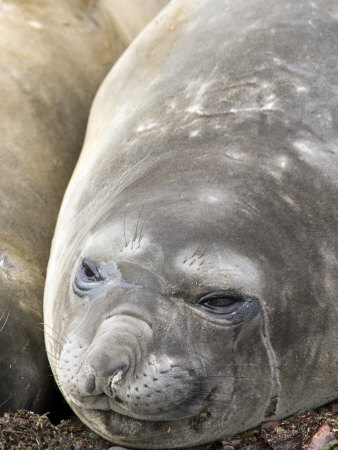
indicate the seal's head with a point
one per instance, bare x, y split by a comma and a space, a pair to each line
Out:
165, 330
185, 312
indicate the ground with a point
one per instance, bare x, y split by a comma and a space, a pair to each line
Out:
313, 430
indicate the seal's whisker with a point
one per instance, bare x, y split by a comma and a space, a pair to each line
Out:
203, 252
51, 355
78, 341
141, 233
3, 403
55, 340
46, 325
3, 325
136, 229
124, 228
40, 328
82, 320
195, 253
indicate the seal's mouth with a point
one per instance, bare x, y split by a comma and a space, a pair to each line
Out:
136, 433
186, 408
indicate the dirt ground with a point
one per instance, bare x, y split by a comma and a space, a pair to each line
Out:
313, 430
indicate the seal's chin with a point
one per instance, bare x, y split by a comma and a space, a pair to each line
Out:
121, 429
187, 408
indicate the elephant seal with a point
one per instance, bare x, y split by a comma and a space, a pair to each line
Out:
193, 273
54, 56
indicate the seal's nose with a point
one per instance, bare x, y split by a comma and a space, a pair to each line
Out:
114, 353
106, 373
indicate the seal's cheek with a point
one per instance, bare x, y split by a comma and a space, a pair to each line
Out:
240, 361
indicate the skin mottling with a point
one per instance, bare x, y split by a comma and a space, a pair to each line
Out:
290, 201
212, 199
280, 169
237, 156
195, 109
146, 127
303, 147
215, 197
268, 106
282, 162
302, 89
197, 88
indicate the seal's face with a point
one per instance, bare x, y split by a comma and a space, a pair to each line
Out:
159, 329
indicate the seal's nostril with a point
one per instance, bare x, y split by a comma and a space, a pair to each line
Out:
115, 378
90, 383
118, 373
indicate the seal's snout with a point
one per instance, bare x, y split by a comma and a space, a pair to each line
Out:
125, 370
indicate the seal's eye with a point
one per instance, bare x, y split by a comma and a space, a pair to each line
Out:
90, 270
221, 302
88, 277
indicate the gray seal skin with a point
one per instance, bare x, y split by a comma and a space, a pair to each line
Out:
193, 273
54, 55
